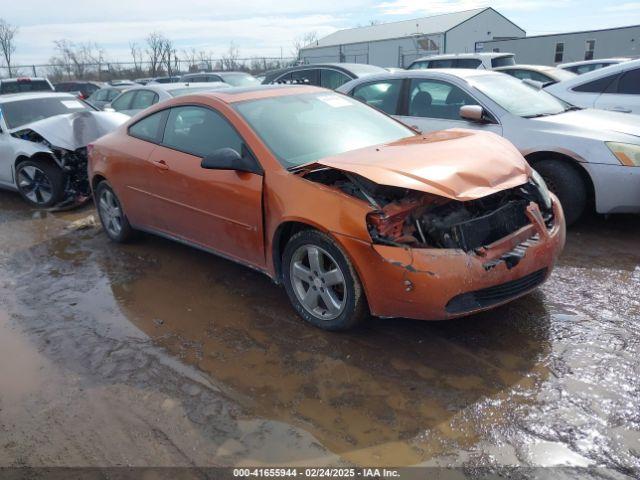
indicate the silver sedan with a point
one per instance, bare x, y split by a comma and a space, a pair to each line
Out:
137, 99
585, 156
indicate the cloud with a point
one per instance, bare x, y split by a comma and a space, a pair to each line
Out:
624, 7
434, 7
254, 36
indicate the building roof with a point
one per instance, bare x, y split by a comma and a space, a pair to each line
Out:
405, 28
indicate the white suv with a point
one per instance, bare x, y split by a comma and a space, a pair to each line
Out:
486, 60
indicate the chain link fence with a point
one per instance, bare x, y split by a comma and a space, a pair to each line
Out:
107, 71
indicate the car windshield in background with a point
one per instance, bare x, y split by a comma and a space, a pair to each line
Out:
503, 61
178, 92
241, 80
23, 112
517, 97
301, 129
22, 86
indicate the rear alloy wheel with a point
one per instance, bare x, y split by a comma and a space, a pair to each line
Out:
321, 283
40, 183
112, 216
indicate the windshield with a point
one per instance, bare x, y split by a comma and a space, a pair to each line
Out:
301, 129
241, 80
517, 97
22, 112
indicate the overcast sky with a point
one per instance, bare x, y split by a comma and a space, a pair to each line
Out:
262, 27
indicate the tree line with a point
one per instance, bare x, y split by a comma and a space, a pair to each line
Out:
157, 56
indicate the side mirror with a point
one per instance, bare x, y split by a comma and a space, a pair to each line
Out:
229, 159
473, 113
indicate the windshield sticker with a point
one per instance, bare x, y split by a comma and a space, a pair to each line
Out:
335, 101
71, 104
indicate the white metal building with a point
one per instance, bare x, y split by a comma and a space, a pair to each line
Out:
570, 47
397, 44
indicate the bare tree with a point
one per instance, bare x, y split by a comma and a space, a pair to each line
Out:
302, 41
155, 50
169, 56
7, 44
229, 60
84, 60
137, 55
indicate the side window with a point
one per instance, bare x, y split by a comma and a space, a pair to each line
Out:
468, 63
143, 99
629, 82
332, 79
213, 78
436, 99
441, 64
283, 79
123, 101
148, 128
383, 95
306, 77
199, 131
101, 95
111, 94
419, 65
596, 86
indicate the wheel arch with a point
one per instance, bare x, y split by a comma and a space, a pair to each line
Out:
281, 236
535, 157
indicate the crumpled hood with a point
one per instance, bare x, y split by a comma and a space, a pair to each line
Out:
600, 121
75, 130
457, 164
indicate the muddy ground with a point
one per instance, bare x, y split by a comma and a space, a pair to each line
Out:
155, 354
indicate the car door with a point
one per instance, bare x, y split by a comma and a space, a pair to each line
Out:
435, 105
216, 209
134, 170
623, 95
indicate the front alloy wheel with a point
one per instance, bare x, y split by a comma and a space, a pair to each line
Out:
321, 283
40, 183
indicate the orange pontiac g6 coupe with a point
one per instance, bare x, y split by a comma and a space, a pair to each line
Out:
353, 212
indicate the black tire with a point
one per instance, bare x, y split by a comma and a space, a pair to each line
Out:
354, 309
124, 232
566, 182
40, 182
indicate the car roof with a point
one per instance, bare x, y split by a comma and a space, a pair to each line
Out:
12, 97
446, 56
597, 60
16, 79
166, 87
524, 66
221, 73
241, 94
354, 68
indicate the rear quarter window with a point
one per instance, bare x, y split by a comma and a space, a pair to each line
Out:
596, 86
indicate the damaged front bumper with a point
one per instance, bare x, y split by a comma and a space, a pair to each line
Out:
440, 283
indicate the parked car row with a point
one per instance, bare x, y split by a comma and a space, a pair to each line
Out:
421, 193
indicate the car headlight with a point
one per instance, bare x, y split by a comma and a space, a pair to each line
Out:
627, 153
542, 188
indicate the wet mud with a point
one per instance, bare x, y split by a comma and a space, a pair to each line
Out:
155, 354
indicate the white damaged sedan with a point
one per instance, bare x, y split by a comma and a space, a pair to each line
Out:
43, 145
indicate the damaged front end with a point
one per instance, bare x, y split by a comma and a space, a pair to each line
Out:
414, 219
66, 139
72, 162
